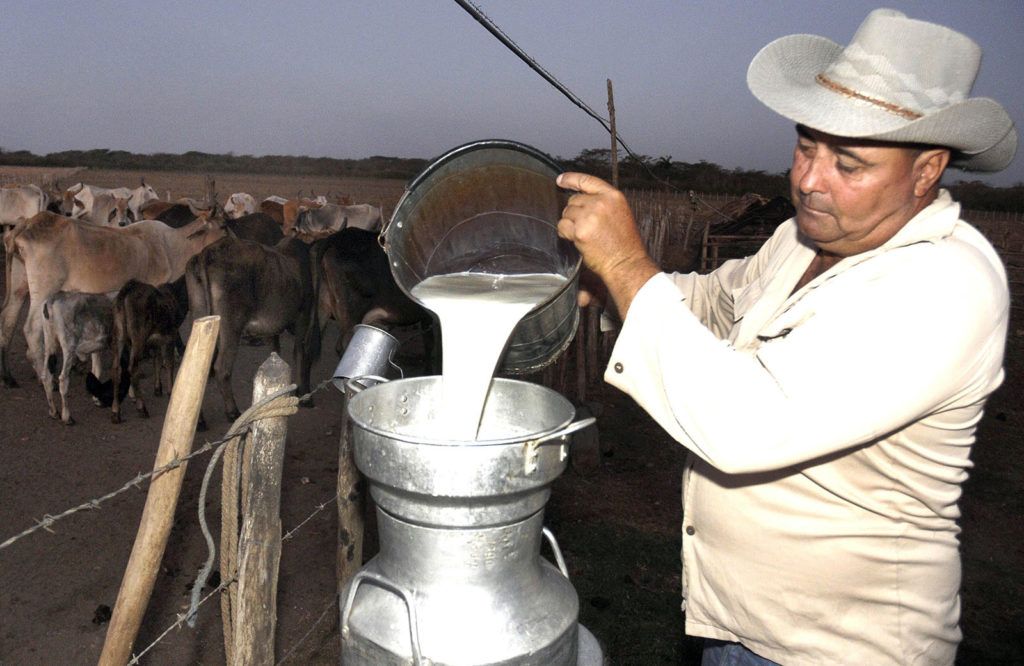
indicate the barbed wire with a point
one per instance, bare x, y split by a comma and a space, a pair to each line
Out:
48, 520
318, 509
182, 617
274, 405
305, 637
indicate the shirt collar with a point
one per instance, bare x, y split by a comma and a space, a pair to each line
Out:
934, 222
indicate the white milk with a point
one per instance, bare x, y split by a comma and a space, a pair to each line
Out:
478, 312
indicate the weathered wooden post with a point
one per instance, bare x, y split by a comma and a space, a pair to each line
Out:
259, 544
211, 191
351, 503
157, 516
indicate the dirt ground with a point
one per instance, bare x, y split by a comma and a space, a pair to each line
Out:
618, 527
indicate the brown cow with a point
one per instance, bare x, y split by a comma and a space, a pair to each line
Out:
62, 254
359, 288
257, 291
145, 316
286, 211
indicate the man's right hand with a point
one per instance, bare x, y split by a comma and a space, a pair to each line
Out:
597, 219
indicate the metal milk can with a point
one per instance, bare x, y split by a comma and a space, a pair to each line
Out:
459, 578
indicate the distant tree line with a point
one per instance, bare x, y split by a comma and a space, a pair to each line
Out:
635, 172
643, 172
195, 161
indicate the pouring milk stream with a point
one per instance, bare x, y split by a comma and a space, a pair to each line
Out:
478, 312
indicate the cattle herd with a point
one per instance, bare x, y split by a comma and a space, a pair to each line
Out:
110, 275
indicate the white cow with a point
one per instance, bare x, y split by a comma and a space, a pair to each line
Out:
239, 204
75, 326
79, 198
20, 202
109, 210
313, 223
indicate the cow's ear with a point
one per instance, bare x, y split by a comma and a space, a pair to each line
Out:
78, 202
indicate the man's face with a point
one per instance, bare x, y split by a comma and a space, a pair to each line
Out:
852, 195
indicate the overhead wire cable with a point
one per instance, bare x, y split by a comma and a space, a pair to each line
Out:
502, 37
500, 34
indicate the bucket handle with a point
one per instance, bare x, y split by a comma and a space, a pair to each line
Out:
550, 536
385, 583
353, 385
531, 449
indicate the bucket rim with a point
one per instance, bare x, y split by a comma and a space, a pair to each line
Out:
455, 443
436, 165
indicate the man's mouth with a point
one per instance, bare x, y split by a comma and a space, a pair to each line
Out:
810, 209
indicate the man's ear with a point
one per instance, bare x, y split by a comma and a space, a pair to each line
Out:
928, 168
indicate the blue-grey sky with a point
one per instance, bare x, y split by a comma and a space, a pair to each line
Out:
413, 78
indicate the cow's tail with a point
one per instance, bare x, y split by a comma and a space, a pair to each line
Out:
119, 342
316, 256
197, 284
200, 297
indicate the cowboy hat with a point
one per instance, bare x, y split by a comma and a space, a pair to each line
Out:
899, 80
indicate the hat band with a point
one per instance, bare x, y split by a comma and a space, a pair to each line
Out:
888, 106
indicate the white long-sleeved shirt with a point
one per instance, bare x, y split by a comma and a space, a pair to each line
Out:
831, 429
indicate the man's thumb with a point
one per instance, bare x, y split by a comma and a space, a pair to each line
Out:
582, 182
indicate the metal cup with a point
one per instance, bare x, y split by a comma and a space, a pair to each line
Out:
367, 358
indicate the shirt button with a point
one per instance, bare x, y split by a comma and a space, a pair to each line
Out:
690, 530
618, 368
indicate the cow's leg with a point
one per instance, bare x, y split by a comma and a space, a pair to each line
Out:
97, 372
14, 299
65, 383
227, 348
116, 368
302, 357
137, 345
166, 350
158, 379
44, 372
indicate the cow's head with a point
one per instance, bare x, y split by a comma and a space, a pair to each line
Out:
76, 209
142, 194
205, 229
120, 215
70, 204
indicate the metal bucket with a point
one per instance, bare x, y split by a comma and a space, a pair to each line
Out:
459, 578
491, 207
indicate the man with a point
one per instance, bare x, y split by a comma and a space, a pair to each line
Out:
829, 386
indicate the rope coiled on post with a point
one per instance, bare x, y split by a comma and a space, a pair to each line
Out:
277, 404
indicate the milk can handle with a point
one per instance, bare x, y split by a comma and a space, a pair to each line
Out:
531, 449
550, 536
406, 596
568, 430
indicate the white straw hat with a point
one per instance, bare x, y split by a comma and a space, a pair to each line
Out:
899, 80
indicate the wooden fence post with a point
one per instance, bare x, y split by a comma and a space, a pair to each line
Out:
158, 515
259, 544
351, 503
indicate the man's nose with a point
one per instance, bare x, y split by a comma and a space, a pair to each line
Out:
811, 175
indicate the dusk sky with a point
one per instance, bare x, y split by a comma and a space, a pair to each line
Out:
414, 78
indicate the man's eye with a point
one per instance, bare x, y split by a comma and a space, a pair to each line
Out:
847, 168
